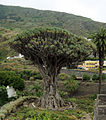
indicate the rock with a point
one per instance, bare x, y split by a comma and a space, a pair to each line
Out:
86, 117
25, 104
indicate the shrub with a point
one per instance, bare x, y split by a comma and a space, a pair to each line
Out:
35, 89
86, 103
63, 76
35, 114
18, 83
3, 53
3, 95
8, 78
62, 93
73, 76
93, 97
72, 86
39, 90
103, 77
72, 99
27, 74
95, 77
86, 77
37, 76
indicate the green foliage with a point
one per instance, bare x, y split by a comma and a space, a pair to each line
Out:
86, 104
63, 76
72, 86
93, 97
25, 18
37, 76
73, 76
3, 95
9, 107
53, 46
27, 74
3, 54
63, 94
72, 99
78, 113
95, 77
70, 83
37, 114
39, 90
18, 83
103, 76
8, 78
34, 90
86, 77
99, 38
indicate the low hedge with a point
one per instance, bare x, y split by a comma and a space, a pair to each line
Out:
28, 74
86, 77
71, 86
3, 95
63, 76
8, 78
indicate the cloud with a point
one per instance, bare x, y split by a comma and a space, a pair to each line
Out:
94, 9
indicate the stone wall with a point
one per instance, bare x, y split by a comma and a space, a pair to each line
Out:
89, 88
100, 108
78, 73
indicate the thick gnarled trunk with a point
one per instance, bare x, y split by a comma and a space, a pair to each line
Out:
51, 98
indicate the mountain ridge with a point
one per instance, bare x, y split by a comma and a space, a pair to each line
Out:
22, 18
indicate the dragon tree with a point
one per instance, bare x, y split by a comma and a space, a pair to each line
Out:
50, 49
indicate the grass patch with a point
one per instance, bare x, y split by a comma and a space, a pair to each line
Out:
84, 106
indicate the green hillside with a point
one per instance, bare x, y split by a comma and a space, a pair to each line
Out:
5, 36
14, 17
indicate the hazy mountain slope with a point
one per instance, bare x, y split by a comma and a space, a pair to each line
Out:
14, 17
5, 36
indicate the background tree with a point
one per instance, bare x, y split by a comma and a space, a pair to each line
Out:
99, 38
50, 49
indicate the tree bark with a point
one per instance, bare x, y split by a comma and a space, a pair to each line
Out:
51, 98
101, 61
100, 79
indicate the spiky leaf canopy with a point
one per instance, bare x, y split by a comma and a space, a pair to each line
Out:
51, 44
99, 38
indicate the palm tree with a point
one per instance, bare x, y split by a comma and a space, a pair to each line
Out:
99, 38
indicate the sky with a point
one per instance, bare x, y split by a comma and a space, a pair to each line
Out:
94, 9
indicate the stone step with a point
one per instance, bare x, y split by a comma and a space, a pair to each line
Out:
101, 102
102, 97
101, 117
101, 109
